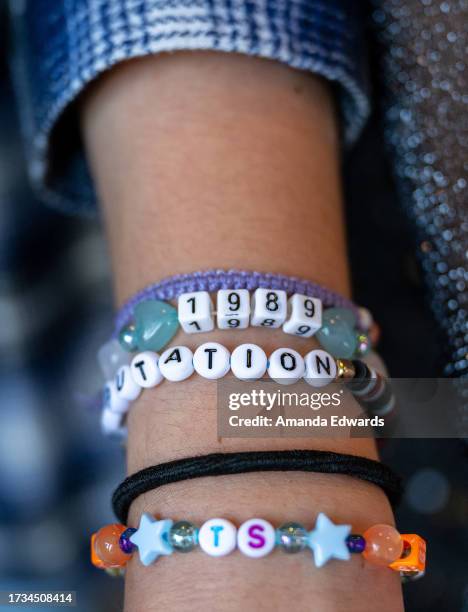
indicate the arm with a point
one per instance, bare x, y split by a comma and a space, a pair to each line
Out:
208, 160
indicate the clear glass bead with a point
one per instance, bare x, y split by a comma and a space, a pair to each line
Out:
291, 537
183, 536
110, 357
364, 345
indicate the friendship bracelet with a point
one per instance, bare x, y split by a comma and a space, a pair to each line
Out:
212, 360
155, 323
224, 464
213, 280
382, 545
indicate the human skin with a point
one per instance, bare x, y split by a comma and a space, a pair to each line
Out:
205, 160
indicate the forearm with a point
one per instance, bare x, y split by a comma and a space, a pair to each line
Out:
212, 159
202, 161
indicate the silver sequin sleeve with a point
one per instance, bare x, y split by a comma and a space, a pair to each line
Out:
425, 66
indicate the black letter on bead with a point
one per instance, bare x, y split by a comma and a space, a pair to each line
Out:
140, 365
210, 352
321, 364
283, 361
249, 358
120, 380
174, 356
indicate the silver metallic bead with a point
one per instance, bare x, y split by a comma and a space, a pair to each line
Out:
183, 536
128, 338
291, 537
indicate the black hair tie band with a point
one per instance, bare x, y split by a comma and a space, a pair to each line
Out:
222, 464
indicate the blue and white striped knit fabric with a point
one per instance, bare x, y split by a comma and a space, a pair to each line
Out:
61, 45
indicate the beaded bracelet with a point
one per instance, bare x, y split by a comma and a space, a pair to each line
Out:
214, 280
147, 323
113, 546
155, 323
212, 360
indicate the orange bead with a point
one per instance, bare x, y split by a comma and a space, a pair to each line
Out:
105, 549
413, 559
383, 544
94, 558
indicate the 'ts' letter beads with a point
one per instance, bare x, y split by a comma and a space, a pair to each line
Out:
217, 537
256, 538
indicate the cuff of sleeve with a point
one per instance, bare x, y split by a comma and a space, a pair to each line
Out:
62, 46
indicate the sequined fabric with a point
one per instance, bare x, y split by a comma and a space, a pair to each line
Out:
425, 67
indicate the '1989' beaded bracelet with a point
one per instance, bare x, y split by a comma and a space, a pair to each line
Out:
147, 322
214, 280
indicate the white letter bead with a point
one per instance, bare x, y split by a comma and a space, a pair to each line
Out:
305, 316
233, 308
112, 400
269, 308
286, 366
256, 538
176, 363
126, 386
145, 370
320, 368
112, 423
195, 312
211, 360
248, 362
217, 537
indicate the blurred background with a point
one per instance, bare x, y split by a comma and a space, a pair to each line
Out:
56, 471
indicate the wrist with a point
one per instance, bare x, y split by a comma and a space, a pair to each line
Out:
175, 420
276, 497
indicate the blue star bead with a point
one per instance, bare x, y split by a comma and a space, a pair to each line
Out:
328, 541
151, 538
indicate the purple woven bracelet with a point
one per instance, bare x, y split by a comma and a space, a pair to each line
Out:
212, 280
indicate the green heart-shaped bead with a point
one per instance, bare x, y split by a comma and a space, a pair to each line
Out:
337, 334
156, 323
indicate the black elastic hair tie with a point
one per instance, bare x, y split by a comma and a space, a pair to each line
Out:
222, 464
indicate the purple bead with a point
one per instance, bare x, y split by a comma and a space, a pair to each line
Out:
355, 543
124, 542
